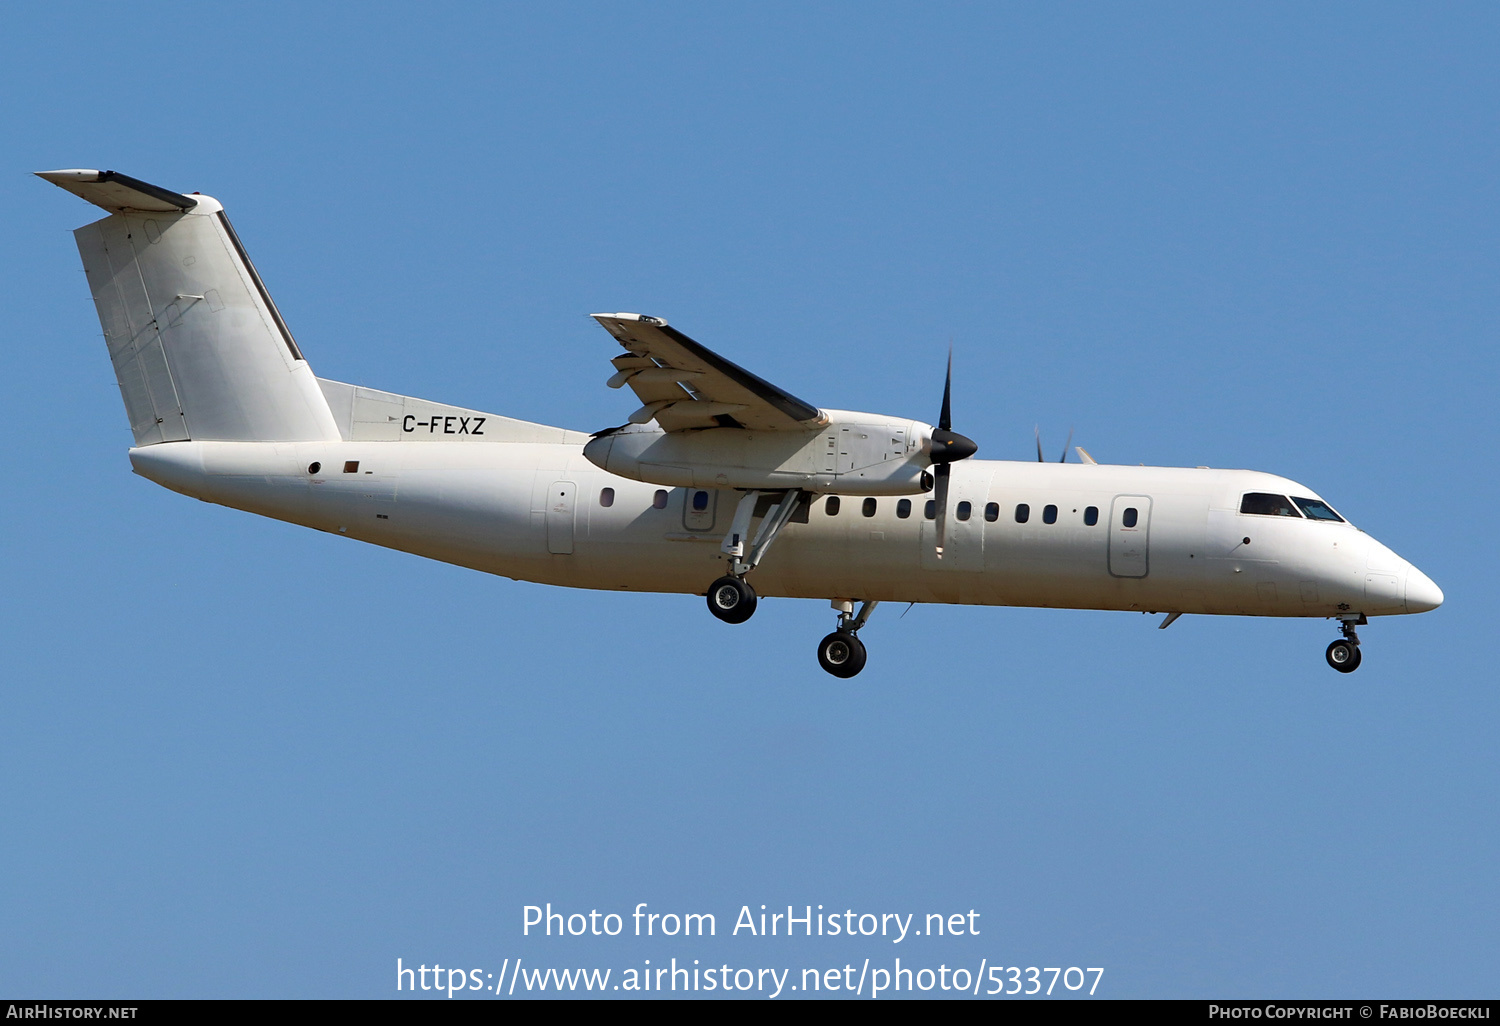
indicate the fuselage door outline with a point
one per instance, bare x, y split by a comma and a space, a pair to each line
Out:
561, 505
1130, 536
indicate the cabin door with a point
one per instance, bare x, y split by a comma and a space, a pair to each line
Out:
1129, 536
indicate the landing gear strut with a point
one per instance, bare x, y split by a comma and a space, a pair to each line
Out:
731, 598
842, 653
1343, 655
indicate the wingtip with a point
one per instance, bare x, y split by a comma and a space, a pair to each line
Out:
659, 322
75, 174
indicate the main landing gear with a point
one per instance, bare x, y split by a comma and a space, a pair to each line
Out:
731, 598
1343, 655
842, 653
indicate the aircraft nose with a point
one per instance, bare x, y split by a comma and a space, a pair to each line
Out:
1421, 593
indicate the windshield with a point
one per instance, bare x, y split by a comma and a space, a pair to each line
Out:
1317, 509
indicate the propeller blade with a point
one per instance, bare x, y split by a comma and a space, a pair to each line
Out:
948, 447
945, 418
940, 496
1064, 457
1039, 457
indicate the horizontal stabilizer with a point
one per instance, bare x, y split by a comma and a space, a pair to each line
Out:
118, 193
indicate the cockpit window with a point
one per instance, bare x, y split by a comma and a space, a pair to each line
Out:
1269, 505
1317, 509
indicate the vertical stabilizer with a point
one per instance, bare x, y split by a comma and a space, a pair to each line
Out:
198, 346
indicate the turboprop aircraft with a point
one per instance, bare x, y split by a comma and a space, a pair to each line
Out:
714, 468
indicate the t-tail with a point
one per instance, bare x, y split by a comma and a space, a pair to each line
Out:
199, 349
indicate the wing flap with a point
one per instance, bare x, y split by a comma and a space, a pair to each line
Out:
687, 386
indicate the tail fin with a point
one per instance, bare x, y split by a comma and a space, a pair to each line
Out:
199, 348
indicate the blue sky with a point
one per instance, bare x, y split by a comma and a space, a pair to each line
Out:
241, 758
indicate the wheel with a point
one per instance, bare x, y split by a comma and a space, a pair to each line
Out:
841, 654
1343, 656
731, 599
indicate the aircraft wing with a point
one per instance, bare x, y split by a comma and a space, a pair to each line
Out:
684, 386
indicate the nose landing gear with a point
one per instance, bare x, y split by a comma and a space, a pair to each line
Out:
842, 653
1343, 655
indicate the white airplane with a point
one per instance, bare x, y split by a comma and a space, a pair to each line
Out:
715, 468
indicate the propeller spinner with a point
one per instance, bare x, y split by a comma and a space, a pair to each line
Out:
948, 447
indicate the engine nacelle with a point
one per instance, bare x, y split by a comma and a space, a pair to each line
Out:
852, 454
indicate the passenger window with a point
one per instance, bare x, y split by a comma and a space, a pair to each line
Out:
832, 506
868, 507
1317, 509
1023, 513
1091, 516
965, 508
1131, 517
607, 497
659, 500
931, 511
700, 501
992, 511
1049, 514
1266, 504
903, 508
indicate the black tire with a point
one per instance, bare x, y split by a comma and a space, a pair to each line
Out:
1343, 655
841, 654
731, 599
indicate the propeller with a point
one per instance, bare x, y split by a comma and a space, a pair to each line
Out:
1066, 445
948, 447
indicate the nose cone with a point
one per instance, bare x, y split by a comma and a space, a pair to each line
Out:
1421, 593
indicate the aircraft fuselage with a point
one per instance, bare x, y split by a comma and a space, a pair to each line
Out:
542, 512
